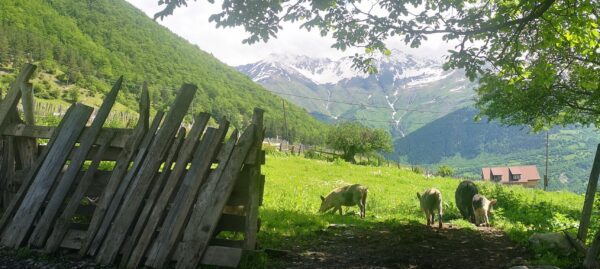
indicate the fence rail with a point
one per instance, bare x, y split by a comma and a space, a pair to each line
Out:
170, 195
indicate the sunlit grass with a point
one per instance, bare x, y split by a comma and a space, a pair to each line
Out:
293, 185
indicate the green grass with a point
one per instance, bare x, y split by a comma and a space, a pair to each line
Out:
293, 185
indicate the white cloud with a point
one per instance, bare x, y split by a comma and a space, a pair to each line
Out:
192, 24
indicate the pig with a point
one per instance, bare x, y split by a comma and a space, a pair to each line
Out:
464, 199
482, 207
431, 201
350, 195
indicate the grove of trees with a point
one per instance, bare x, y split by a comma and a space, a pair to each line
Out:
352, 138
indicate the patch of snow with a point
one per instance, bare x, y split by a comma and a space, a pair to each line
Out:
457, 89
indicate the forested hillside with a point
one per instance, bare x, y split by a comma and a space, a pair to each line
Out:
83, 46
467, 146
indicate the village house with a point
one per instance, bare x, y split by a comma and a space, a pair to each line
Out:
527, 175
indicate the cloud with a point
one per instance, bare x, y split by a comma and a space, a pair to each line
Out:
192, 23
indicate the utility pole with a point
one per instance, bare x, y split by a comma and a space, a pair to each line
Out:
546, 174
287, 132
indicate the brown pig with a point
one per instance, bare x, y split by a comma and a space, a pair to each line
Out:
482, 207
350, 195
431, 201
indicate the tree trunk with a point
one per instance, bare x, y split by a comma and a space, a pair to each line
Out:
349, 155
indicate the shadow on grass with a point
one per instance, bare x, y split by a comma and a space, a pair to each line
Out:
318, 241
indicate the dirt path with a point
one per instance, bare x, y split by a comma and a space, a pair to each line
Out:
407, 246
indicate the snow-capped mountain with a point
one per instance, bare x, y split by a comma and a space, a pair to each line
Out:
321, 71
428, 111
407, 92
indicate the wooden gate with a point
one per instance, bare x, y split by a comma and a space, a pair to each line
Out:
168, 194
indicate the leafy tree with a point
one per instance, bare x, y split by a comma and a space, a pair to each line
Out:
445, 171
352, 138
538, 61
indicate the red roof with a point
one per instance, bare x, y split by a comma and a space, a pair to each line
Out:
527, 173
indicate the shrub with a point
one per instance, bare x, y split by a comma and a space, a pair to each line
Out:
445, 171
417, 170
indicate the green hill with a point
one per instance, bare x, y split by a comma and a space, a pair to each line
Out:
468, 146
82, 46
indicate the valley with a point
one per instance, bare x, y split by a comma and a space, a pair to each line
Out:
428, 111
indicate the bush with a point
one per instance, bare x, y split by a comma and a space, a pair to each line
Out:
445, 171
417, 170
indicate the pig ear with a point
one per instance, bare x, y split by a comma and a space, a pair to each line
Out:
418, 195
322, 198
493, 202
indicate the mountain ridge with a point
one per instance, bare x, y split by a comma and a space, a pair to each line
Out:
430, 115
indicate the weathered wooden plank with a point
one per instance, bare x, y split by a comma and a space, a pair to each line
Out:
227, 243
254, 195
27, 101
150, 201
27, 151
16, 201
118, 185
144, 109
7, 169
73, 239
144, 179
15, 234
62, 223
174, 222
9, 103
215, 255
111, 153
45, 132
188, 148
42, 230
140, 133
211, 200
240, 194
588, 205
222, 256
262, 189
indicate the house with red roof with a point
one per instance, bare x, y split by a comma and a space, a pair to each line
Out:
527, 175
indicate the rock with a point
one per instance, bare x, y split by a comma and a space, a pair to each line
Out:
555, 242
518, 261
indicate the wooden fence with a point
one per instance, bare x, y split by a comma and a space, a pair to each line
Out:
169, 196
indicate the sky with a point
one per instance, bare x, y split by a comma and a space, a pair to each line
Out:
191, 23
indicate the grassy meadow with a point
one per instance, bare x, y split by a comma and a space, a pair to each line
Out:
293, 185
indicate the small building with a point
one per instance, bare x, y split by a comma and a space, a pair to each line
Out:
527, 175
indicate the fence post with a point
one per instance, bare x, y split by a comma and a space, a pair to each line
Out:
588, 204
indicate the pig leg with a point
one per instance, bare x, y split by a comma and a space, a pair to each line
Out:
440, 219
428, 216
364, 205
340, 209
362, 209
486, 220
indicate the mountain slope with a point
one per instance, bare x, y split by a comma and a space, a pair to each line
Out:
428, 111
87, 44
408, 91
467, 146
